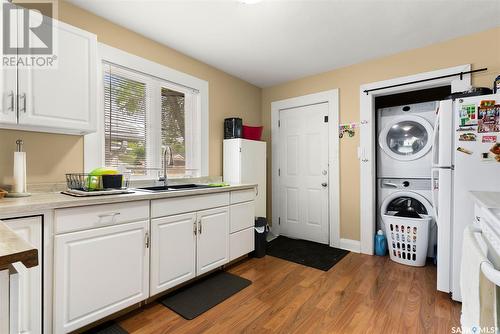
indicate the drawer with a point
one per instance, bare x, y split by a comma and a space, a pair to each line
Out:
242, 216
93, 216
176, 205
239, 196
241, 243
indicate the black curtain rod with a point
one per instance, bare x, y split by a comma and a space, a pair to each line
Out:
429, 79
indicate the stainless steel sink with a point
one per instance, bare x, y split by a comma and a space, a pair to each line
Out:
174, 187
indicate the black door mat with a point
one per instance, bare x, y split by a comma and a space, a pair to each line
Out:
307, 253
192, 300
110, 327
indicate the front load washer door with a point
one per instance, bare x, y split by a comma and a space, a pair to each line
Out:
402, 200
406, 137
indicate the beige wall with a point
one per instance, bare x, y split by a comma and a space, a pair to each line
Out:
50, 156
480, 50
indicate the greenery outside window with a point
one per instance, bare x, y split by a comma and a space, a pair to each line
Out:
145, 116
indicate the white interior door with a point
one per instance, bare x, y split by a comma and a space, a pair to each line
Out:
303, 149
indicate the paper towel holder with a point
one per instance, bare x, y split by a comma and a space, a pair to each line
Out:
19, 171
19, 145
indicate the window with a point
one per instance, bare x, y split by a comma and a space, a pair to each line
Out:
125, 120
146, 119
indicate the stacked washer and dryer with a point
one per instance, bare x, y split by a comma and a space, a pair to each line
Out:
404, 163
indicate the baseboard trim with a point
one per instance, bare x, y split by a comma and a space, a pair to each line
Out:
350, 245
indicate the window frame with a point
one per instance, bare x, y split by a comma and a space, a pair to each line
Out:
94, 143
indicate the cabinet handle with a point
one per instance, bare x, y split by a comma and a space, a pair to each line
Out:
195, 227
23, 97
113, 214
11, 95
199, 227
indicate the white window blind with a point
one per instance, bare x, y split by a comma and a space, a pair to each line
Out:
125, 119
144, 116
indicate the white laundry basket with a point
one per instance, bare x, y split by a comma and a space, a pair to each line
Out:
407, 239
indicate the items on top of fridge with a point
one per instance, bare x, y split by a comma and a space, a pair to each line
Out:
496, 85
475, 91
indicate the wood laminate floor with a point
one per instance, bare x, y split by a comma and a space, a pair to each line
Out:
361, 294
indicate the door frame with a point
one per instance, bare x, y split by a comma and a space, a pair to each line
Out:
332, 98
368, 138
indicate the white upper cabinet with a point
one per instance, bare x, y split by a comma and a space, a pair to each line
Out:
59, 99
63, 98
8, 87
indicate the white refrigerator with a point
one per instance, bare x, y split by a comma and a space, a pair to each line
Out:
466, 137
245, 162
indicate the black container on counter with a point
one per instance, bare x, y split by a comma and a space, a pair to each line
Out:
112, 181
233, 128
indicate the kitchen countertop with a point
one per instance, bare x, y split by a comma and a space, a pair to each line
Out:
53, 200
486, 199
14, 249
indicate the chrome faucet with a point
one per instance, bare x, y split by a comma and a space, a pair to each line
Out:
164, 178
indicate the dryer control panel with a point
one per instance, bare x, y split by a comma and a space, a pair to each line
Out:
409, 184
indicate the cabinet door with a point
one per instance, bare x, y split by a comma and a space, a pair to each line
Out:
213, 239
8, 90
62, 98
98, 272
8, 80
30, 280
173, 251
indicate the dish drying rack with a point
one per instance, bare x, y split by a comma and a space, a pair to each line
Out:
84, 185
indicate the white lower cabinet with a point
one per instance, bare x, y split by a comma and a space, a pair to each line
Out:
108, 257
173, 251
98, 272
29, 299
242, 237
241, 243
187, 245
213, 239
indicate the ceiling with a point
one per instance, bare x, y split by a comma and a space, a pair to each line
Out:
276, 41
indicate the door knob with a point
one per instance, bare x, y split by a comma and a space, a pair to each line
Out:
324, 184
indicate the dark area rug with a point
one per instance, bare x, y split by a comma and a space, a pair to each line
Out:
307, 253
200, 296
107, 328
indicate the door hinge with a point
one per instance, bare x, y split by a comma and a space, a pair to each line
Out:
279, 171
326, 119
279, 220
146, 239
240, 149
279, 123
